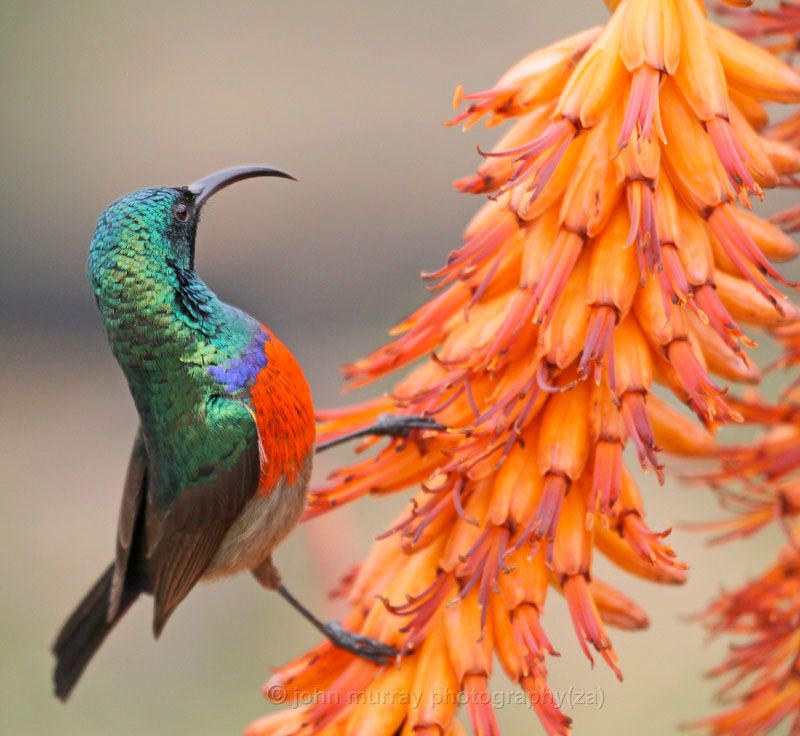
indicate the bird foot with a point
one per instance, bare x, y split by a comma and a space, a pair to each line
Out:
362, 646
387, 425
392, 425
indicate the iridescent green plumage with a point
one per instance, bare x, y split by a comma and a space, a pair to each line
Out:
220, 466
190, 361
166, 329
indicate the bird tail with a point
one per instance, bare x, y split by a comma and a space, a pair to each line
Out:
84, 631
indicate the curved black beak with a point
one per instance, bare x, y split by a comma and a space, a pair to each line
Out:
211, 184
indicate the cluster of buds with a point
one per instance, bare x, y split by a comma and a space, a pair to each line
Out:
760, 484
777, 29
774, 28
616, 252
766, 612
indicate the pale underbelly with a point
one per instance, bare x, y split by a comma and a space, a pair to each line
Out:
262, 525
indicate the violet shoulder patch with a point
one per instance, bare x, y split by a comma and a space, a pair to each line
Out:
238, 373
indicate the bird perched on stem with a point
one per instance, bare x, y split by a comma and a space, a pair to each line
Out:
221, 462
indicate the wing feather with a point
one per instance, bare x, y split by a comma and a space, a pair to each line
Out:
130, 509
183, 538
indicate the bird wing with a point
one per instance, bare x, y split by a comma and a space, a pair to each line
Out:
183, 537
132, 495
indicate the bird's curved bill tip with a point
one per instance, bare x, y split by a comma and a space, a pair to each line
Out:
211, 184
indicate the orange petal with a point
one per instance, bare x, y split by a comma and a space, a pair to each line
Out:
752, 70
676, 433
651, 35
700, 76
435, 683
616, 609
597, 78
563, 445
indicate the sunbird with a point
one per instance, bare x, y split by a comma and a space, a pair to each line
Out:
220, 465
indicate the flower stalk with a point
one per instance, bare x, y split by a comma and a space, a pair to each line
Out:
616, 252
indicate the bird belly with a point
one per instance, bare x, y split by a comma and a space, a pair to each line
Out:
262, 525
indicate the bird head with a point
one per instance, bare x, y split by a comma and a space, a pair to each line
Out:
160, 224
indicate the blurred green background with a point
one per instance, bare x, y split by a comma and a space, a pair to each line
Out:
100, 98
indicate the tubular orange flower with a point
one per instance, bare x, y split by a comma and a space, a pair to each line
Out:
777, 29
613, 254
763, 676
760, 484
757, 482
766, 611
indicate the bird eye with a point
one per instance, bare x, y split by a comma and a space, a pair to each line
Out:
181, 212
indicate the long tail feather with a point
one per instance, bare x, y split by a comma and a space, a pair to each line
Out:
84, 631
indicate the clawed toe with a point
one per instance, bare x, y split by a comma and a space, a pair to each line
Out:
362, 646
400, 426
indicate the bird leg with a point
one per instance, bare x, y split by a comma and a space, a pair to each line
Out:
362, 646
388, 425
